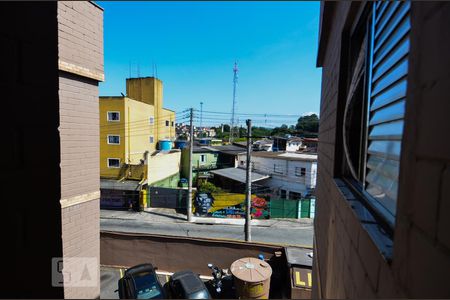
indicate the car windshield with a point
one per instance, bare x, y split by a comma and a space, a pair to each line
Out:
203, 294
199, 295
147, 286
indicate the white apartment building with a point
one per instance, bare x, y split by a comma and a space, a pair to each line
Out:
292, 175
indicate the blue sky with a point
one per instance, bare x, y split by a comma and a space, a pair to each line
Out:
195, 44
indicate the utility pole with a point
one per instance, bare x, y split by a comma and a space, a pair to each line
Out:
201, 119
191, 146
248, 181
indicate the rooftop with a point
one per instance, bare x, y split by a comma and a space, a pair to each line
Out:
286, 155
228, 149
238, 174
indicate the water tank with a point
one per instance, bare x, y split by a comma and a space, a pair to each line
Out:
251, 278
180, 144
204, 142
165, 145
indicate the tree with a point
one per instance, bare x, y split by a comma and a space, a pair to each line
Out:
281, 131
308, 124
260, 131
208, 187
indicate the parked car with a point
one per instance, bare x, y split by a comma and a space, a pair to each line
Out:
141, 282
187, 285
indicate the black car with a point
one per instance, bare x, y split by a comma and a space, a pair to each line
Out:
140, 282
187, 285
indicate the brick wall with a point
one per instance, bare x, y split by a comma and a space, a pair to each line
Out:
422, 259
79, 133
81, 231
80, 38
80, 45
348, 263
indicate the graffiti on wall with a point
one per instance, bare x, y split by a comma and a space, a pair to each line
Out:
229, 205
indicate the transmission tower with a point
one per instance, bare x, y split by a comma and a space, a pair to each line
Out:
235, 80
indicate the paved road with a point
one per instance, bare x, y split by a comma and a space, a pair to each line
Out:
291, 234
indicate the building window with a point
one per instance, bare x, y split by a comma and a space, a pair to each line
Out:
278, 169
152, 120
113, 116
172, 123
151, 139
295, 196
299, 171
242, 162
283, 194
375, 105
114, 139
113, 163
167, 123
203, 158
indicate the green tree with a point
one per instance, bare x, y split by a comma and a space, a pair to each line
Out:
208, 187
281, 131
308, 124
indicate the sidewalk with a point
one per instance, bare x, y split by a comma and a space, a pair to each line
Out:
167, 215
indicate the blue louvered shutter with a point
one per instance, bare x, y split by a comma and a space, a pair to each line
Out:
387, 95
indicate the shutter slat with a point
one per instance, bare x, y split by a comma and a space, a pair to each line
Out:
400, 51
395, 23
381, 9
387, 98
385, 149
393, 112
387, 131
391, 77
393, 93
396, 38
386, 167
386, 17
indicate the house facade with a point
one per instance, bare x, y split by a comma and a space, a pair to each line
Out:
132, 126
294, 144
203, 160
383, 199
292, 175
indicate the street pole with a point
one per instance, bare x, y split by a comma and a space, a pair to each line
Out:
191, 146
248, 181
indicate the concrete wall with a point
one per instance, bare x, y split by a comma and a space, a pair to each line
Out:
163, 165
80, 44
352, 259
138, 130
164, 131
150, 90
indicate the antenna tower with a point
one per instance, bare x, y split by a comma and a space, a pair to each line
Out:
235, 80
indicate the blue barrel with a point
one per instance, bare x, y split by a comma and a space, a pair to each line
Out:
205, 141
165, 145
180, 144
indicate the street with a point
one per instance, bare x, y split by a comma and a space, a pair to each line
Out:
280, 232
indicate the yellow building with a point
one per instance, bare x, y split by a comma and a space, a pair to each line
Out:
131, 127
